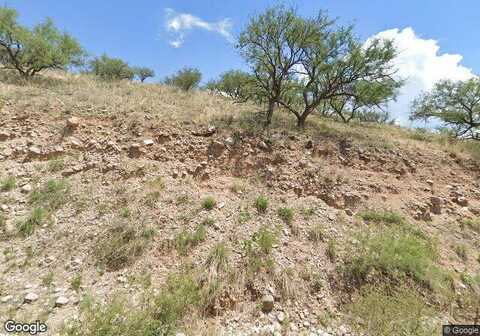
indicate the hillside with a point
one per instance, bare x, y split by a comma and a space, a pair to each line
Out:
181, 204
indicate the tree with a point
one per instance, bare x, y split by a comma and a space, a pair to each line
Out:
185, 79
456, 104
235, 84
272, 46
365, 101
143, 73
109, 68
335, 66
29, 51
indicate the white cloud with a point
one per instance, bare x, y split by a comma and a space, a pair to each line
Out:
421, 64
178, 25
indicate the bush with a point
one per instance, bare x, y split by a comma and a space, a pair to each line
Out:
121, 244
208, 203
29, 51
382, 216
379, 312
8, 183
236, 84
143, 73
36, 218
286, 214
109, 68
185, 240
261, 203
185, 79
258, 250
52, 195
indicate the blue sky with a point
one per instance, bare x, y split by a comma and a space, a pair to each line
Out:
442, 33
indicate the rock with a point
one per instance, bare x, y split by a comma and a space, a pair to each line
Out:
216, 149
30, 297
135, 150
281, 317
205, 132
348, 212
4, 135
429, 182
34, 150
73, 123
148, 142
262, 145
436, 205
267, 303
229, 141
309, 144
462, 201
61, 301
5, 299
26, 188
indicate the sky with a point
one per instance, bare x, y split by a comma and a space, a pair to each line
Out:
436, 38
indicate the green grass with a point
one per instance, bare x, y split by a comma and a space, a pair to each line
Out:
8, 183
382, 216
258, 250
380, 312
121, 244
52, 195
48, 279
395, 255
316, 232
56, 165
218, 257
332, 250
27, 227
125, 212
472, 224
208, 203
286, 214
76, 282
261, 203
186, 240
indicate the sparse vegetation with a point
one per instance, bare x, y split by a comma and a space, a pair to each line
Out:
52, 195
261, 203
461, 252
286, 214
209, 203
27, 227
185, 239
8, 183
316, 232
76, 282
56, 165
382, 216
185, 79
258, 249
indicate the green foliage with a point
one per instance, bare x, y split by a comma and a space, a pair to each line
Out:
8, 183
29, 51
286, 214
236, 84
332, 250
379, 312
109, 68
56, 165
185, 79
303, 64
76, 282
316, 232
121, 244
186, 240
456, 104
208, 203
382, 216
395, 255
143, 73
36, 218
472, 224
261, 203
258, 250
52, 195
218, 257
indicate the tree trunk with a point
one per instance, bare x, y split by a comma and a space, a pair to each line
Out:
301, 120
271, 107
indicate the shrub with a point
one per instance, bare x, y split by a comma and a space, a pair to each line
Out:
143, 73
29, 51
52, 195
185, 240
36, 218
472, 224
286, 214
316, 232
185, 79
208, 203
8, 183
108, 68
261, 203
76, 282
378, 312
218, 257
56, 165
121, 244
258, 249
382, 216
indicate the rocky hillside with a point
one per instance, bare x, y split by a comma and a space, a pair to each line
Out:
135, 208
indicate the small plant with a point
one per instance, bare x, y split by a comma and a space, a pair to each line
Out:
244, 216
8, 183
316, 232
121, 244
472, 224
218, 257
286, 214
308, 212
48, 279
208, 203
383, 216
258, 250
461, 251
157, 184
125, 212
56, 165
52, 195
238, 187
209, 221
76, 282
261, 203
36, 218
265, 239
185, 240
332, 250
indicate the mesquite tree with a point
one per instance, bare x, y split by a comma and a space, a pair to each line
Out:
456, 104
